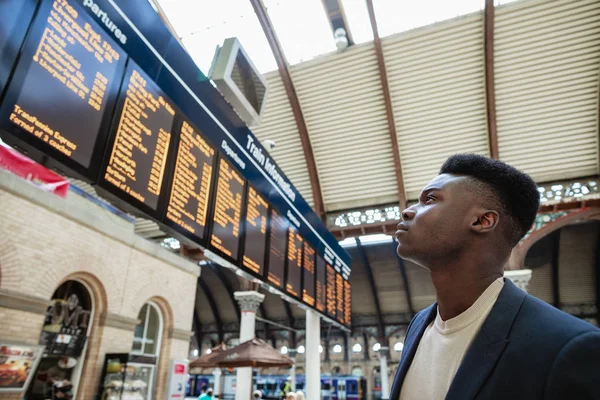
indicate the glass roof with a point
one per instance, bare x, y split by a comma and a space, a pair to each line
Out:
204, 25
357, 17
302, 26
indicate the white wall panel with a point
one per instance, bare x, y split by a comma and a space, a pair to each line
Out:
436, 77
547, 62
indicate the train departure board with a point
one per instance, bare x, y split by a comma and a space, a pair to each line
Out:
331, 299
187, 206
308, 278
255, 242
339, 295
102, 91
294, 263
227, 216
70, 63
142, 136
277, 246
320, 285
347, 303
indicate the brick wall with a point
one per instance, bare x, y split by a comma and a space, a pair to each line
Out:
46, 240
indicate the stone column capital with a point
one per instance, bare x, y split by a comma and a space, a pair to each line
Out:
520, 277
249, 301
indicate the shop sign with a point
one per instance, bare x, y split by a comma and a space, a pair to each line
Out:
177, 380
65, 327
17, 363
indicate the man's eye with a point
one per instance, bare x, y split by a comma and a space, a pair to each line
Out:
429, 199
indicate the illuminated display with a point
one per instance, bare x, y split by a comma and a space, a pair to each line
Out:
106, 95
294, 265
347, 303
339, 295
308, 271
320, 292
70, 62
138, 157
225, 235
255, 241
278, 242
191, 182
331, 300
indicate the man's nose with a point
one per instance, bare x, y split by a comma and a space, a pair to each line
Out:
408, 214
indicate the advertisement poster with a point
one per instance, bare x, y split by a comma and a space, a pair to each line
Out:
177, 379
17, 363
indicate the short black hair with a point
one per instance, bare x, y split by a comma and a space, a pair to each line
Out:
515, 192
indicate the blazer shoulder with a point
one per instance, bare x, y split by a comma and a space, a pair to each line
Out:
543, 315
575, 368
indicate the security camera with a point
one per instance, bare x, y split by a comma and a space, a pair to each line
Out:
269, 144
341, 39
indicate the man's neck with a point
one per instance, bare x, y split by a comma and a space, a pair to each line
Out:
459, 285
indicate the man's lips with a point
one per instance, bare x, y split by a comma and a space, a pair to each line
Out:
401, 229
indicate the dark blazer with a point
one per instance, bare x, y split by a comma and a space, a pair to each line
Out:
526, 349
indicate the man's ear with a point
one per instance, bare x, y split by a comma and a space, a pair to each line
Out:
485, 221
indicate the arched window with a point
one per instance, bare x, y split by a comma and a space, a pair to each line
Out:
148, 333
65, 335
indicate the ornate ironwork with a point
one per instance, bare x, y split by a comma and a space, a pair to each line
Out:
366, 216
581, 189
542, 220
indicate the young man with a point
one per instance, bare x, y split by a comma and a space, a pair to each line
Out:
485, 338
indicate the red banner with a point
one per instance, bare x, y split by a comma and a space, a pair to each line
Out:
18, 164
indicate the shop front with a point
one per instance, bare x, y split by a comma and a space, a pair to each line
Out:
64, 335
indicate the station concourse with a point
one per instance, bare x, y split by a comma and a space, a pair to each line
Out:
205, 196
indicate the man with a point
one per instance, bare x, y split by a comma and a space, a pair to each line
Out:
485, 338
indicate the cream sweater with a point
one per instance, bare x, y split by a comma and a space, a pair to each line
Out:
443, 347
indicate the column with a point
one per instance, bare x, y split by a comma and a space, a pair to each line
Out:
383, 367
217, 374
249, 303
313, 358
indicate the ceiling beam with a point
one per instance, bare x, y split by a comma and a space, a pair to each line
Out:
555, 279
366, 345
213, 307
387, 98
197, 329
402, 267
337, 18
490, 88
228, 287
290, 318
286, 77
371, 279
346, 349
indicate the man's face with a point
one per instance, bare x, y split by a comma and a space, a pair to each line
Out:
438, 227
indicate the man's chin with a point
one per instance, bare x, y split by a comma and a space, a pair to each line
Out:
403, 251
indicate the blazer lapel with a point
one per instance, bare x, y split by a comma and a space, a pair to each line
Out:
488, 345
414, 335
